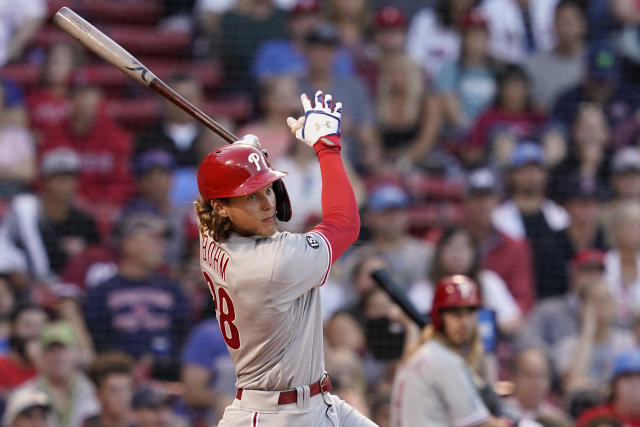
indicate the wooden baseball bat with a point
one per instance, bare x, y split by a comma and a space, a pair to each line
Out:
103, 46
398, 296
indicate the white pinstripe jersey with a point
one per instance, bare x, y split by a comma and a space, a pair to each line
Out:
268, 305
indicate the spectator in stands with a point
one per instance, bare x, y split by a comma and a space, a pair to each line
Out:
18, 365
519, 28
584, 360
359, 137
242, 31
152, 408
46, 230
556, 318
140, 311
70, 392
387, 220
587, 160
528, 213
554, 71
603, 84
278, 100
50, 104
12, 105
623, 404
623, 260
7, 305
112, 375
509, 258
511, 118
104, 150
433, 39
531, 375
467, 86
18, 27
625, 169
457, 253
28, 408
353, 21
17, 161
278, 57
207, 374
154, 169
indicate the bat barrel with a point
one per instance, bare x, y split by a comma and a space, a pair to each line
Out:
398, 295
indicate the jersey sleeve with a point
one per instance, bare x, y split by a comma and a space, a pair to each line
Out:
302, 262
460, 396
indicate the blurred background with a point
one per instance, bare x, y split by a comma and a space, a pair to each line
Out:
494, 138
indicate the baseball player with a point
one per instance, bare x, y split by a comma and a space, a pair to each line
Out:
265, 282
437, 386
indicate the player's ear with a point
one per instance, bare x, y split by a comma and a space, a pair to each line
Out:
219, 207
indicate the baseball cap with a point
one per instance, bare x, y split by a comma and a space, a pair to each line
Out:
588, 258
474, 19
58, 333
526, 153
142, 220
603, 62
155, 158
626, 362
390, 17
387, 196
323, 34
149, 397
305, 6
22, 399
60, 161
626, 159
482, 181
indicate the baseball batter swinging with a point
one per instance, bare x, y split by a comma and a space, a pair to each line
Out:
265, 282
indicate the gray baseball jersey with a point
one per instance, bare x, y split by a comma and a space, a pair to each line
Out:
435, 388
267, 303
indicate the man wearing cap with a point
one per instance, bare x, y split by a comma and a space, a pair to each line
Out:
140, 311
152, 408
358, 133
509, 258
603, 84
388, 223
558, 317
286, 56
530, 214
154, 175
556, 70
60, 378
27, 408
47, 229
625, 168
624, 399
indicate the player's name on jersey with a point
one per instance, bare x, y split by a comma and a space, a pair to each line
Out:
215, 257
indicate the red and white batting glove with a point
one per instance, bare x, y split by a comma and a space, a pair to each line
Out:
320, 123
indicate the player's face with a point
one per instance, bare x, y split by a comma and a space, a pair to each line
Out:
253, 214
460, 325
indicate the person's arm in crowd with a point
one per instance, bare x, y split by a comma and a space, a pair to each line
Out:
198, 392
577, 374
69, 310
23, 35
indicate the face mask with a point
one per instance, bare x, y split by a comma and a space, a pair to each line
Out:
384, 338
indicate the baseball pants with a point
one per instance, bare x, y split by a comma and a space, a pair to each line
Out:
260, 409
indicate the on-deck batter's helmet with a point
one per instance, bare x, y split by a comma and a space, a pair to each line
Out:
453, 291
240, 169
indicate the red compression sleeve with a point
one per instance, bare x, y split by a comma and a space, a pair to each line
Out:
340, 223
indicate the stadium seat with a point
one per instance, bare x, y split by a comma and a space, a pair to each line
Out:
24, 74
144, 12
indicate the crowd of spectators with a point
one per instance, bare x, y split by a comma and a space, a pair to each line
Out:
499, 139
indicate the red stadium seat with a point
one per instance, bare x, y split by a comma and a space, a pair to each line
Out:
24, 74
144, 12
435, 188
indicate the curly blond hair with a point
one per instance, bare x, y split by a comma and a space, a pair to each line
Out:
211, 222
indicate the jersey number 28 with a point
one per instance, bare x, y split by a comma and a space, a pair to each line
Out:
226, 314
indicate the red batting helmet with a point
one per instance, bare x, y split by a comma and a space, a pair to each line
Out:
241, 169
453, 291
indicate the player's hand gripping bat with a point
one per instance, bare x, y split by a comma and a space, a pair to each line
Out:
103, 46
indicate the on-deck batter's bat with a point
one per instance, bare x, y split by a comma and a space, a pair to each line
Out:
398, 295
103, 46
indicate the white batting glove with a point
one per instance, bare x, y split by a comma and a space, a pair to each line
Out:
323, 119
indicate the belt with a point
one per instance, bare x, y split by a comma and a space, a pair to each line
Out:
291, 396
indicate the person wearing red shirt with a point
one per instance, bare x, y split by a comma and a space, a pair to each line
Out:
18, 366
104, 149
624, 402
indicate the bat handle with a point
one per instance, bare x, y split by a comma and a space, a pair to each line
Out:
164, 90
